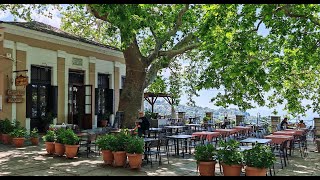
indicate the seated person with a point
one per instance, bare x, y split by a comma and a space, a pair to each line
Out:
301, 124
137, 129
225, 123
284, 124
145, 125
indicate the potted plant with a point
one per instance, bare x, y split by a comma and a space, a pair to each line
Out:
105, 143
46, 121
18, 136
118, 148
49, 141
230, 157
206, 159
134, 151
71, 143
205, 120
34, 136
58, 144
258, 159
7, 128
105, 119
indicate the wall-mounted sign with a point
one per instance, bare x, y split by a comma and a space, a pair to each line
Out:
15, 100
77, 61
11, 92
22, 80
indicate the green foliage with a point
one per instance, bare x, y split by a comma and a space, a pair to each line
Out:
134, 145
1, 126
7, 126
18, 133
49, 137
70, 138
106, 116
205, 119
205, 153
34, 133
149, 115
47, 120
106, 142
229, 153
121, 140
223, 43
260, 156
60, 134
157, 86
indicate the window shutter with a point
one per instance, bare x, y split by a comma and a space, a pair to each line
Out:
96, 108
53, 100
109, 100
29, 101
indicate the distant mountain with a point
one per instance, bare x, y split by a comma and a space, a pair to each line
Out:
163, 108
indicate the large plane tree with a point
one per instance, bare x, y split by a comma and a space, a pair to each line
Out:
223, 44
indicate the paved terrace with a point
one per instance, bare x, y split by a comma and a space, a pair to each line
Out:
33, 161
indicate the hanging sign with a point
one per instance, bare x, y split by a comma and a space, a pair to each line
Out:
11, 92
22, 80
15, 100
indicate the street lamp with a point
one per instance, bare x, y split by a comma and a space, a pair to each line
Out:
258, 116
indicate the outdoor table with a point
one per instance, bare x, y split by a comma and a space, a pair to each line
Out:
209, 135
243, 148
279, 139
194, 125
177, 137
226, 132
246, 128
289, 133
175, 127
255, 140
155, 130
298, 132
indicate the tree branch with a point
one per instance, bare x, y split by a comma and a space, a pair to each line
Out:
178, 21
303, 16
152, 73
172, 53
95, 13
160, 42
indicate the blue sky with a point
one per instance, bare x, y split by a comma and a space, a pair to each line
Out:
205, 95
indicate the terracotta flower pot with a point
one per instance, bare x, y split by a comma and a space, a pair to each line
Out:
34, 141
252, 171
50, 147
135, 160
104, 123
6, 139
207, 168
120, 158
107, 156
71, 150
233, 170
18, 142
59, 149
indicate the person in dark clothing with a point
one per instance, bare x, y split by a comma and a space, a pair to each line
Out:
225, 123
284, 123
301, 124
145, 125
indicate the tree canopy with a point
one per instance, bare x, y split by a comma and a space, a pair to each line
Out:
221, 46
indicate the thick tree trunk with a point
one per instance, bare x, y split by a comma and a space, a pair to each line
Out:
131, 95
